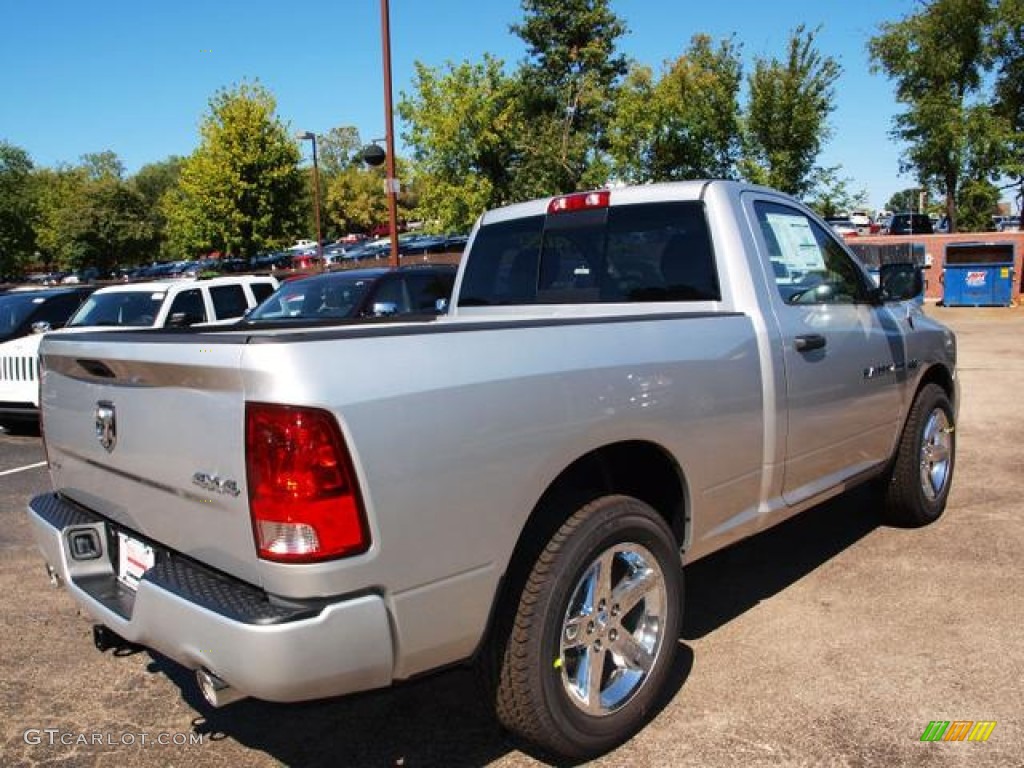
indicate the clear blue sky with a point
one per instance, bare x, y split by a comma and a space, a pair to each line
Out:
135, 77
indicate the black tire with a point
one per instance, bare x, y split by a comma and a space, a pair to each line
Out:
543, 693
922, 471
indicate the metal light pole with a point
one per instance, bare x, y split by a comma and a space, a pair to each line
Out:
391, 181
310, 136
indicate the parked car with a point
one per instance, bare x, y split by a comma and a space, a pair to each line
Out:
911, 224
844, 226
1009, 224
358, 293
21, 309
24, 316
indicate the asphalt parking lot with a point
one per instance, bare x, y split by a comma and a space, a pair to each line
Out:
830, 640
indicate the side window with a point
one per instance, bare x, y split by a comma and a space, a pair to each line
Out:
261, 291
58, 310
503, 266
228, 301
660, 252
188, 304
808, 265
426, 288
392, 291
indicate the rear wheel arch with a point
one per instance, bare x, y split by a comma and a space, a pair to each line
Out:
639, 469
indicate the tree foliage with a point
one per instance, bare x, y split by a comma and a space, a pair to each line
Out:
906, 200
684, 125
154, 182
17, 209
88, 215
340, 148
356, 201
241, 190
567, 84
936, 57
462, 123
1007, 45
833, 194
787, 114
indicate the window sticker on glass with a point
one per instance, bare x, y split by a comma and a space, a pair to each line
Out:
799, 248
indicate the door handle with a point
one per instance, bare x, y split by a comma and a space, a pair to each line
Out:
809, 341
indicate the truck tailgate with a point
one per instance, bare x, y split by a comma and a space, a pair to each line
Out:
150, 434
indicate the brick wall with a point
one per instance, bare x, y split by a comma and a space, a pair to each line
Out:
935, 247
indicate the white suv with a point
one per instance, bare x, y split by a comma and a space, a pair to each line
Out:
171, 303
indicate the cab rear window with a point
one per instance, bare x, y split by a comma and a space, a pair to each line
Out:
630, 253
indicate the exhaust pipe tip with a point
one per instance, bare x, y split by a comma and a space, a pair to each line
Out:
216, 692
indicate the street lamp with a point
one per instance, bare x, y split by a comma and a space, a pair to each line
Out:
310, 136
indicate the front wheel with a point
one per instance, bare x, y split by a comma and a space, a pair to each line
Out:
922, 471
595, 630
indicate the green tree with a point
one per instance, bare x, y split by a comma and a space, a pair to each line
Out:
1007, 45
787, 115
355, 200
153, 182
339, 148
832, 194
977, 201
684, 125
88, 216
906, 200
57, 192
936, 57
241, 191
567, 89
102, 165
462, 121
107, 225
17, 209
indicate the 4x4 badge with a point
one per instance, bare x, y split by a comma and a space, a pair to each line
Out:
106, 425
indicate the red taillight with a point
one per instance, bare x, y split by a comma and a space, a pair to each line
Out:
580, 201
303, 497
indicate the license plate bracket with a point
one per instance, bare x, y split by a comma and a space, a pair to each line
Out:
134, 558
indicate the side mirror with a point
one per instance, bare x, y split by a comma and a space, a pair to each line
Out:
41, 326
900, 282
183, 320
384, 308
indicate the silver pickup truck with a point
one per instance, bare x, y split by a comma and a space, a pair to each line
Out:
625, 381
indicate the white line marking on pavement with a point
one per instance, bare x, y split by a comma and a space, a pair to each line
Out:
22, 469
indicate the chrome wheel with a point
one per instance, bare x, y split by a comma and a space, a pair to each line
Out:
936, 452
612, 632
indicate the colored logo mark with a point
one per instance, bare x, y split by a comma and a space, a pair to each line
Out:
958, 730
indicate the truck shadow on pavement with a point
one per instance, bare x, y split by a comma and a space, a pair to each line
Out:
442, 720
730, 582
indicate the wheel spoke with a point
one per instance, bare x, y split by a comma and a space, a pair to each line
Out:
595, 659
574, 633
634, 588
936, 453
603, 585
632, 653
